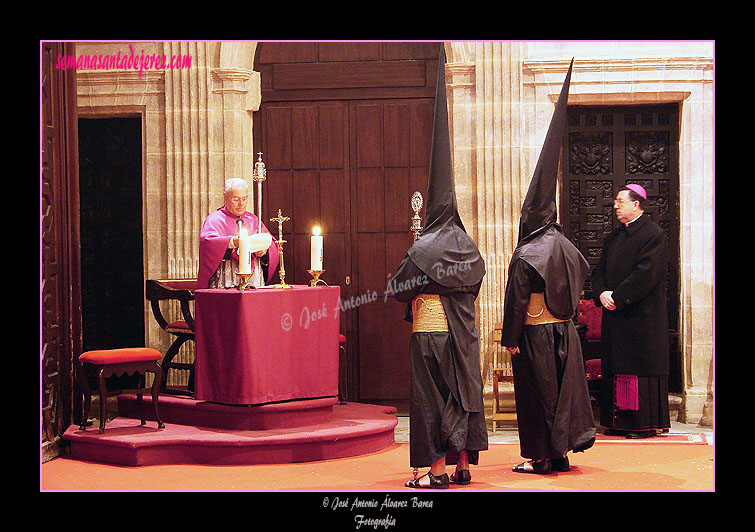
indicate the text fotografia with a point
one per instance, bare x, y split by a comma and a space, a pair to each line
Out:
123, 61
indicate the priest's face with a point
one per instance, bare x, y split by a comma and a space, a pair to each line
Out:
235, 200
626, 210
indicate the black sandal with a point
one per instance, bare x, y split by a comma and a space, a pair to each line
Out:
542, 467
436, 483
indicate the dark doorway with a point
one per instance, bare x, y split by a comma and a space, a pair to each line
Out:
112, 278
605, 148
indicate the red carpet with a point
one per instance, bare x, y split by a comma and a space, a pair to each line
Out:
664, 465
322, 447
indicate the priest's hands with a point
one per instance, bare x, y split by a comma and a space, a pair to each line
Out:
606, 299
513, 350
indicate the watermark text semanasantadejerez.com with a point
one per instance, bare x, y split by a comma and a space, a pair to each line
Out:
123, 61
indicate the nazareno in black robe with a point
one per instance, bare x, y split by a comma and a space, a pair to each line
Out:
633, 265
554, 414
553, 408
446, 408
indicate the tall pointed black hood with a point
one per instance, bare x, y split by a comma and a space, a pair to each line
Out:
539, 207
444, 251
542, 243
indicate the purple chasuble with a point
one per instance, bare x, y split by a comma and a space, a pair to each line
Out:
218, 228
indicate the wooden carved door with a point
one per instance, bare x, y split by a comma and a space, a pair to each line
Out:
606, 148
391, 160
60, 304
346, 130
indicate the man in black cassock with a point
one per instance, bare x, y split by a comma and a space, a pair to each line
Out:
544, 283
440, 278
630, 283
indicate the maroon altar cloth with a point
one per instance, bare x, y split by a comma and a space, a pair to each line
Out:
265, 345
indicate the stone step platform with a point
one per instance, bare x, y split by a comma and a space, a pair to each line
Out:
198, 432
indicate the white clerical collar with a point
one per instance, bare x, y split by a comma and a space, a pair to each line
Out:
632, 221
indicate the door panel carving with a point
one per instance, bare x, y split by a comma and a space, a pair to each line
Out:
606, 148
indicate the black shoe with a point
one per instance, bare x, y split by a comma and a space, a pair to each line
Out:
436, 483
462, 477
614, 432
543, 467
560, 464
641, 434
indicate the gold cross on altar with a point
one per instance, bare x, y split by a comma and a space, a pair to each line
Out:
280, 219
282, 268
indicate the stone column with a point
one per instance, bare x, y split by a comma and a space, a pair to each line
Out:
490, 166
187, 141
237, 94
208, 139
697, 240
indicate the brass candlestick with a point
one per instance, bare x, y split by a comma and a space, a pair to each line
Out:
245, 284
316, 277
282, 269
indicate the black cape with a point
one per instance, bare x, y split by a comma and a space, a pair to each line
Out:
554, 413
446, 399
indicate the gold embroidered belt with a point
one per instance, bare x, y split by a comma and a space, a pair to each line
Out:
537, 311
428, 314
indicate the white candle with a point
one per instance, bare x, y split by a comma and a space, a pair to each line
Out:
316, 250
245, 252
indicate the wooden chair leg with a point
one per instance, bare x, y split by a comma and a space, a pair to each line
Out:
342, 375
156, 394
495, 398
167, 361
139, 407
191, 379
103, 398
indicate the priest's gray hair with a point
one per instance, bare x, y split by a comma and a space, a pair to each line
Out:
234, 182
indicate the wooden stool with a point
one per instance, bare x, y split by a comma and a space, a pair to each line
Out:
108, 362
502, 372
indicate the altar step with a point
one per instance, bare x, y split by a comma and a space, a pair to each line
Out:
198, 432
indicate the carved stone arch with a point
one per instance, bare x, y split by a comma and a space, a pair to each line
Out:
237, 55
459, 52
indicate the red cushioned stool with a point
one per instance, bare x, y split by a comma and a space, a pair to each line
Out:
129, 361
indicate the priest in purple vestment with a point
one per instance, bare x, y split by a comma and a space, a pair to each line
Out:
218, 242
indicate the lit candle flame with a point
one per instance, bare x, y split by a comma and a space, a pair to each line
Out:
316, 230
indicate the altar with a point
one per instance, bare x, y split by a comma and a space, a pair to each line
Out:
267, 344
